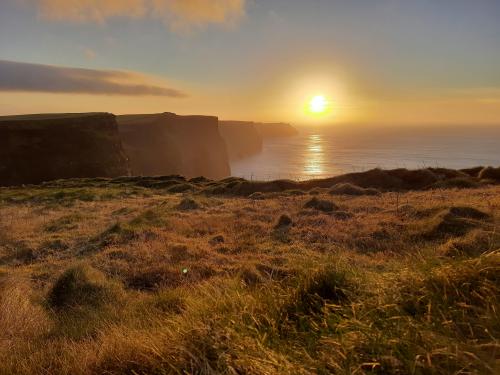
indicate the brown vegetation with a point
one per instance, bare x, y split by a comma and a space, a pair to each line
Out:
125, 276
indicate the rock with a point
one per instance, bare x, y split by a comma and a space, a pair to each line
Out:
38, 148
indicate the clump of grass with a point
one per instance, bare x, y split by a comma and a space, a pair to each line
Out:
350, 189
216, 240
294, 192
257, 196
473, 244
284, 222
21, 318
330, 285
321, 205
199, 180
181, 188
188, 204
66, 222
490, 173
81, 286
454, 221
464, 294
250, 275
282, 228
458, 183
170, 301
123, 232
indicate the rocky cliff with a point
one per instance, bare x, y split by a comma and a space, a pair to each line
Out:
276, 129
242, 138
37, 148
165, 143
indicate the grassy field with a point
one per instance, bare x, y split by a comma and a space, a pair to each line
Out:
159, 278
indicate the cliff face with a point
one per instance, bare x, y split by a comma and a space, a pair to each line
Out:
242, 138
165, 143
277, 129
37, 148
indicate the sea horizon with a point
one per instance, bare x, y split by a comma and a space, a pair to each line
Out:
325, 151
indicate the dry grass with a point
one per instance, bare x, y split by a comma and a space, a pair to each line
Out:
100, 277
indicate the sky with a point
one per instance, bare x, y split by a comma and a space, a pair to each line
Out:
375, 61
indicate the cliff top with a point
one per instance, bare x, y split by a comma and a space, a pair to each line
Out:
141, 119
50, 116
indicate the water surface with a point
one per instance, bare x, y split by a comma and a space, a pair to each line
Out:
327, 151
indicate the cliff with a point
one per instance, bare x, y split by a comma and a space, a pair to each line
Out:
165, 143
242, 138
37, 148
277, 129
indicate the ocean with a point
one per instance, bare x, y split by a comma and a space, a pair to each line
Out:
318, 152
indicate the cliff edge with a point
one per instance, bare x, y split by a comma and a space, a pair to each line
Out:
165, 143
242, 138
38, 148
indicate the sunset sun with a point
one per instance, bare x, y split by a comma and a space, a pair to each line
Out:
318, 105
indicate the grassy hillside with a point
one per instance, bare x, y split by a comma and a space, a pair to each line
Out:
157, 276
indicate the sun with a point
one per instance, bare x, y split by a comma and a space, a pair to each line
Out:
318, 105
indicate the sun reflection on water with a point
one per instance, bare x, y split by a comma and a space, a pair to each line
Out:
314, 157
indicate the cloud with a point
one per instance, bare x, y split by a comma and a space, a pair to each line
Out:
178, 14
89, 53
26, 77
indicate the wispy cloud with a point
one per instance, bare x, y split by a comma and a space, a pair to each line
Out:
89, 53
26, 77
177, 14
